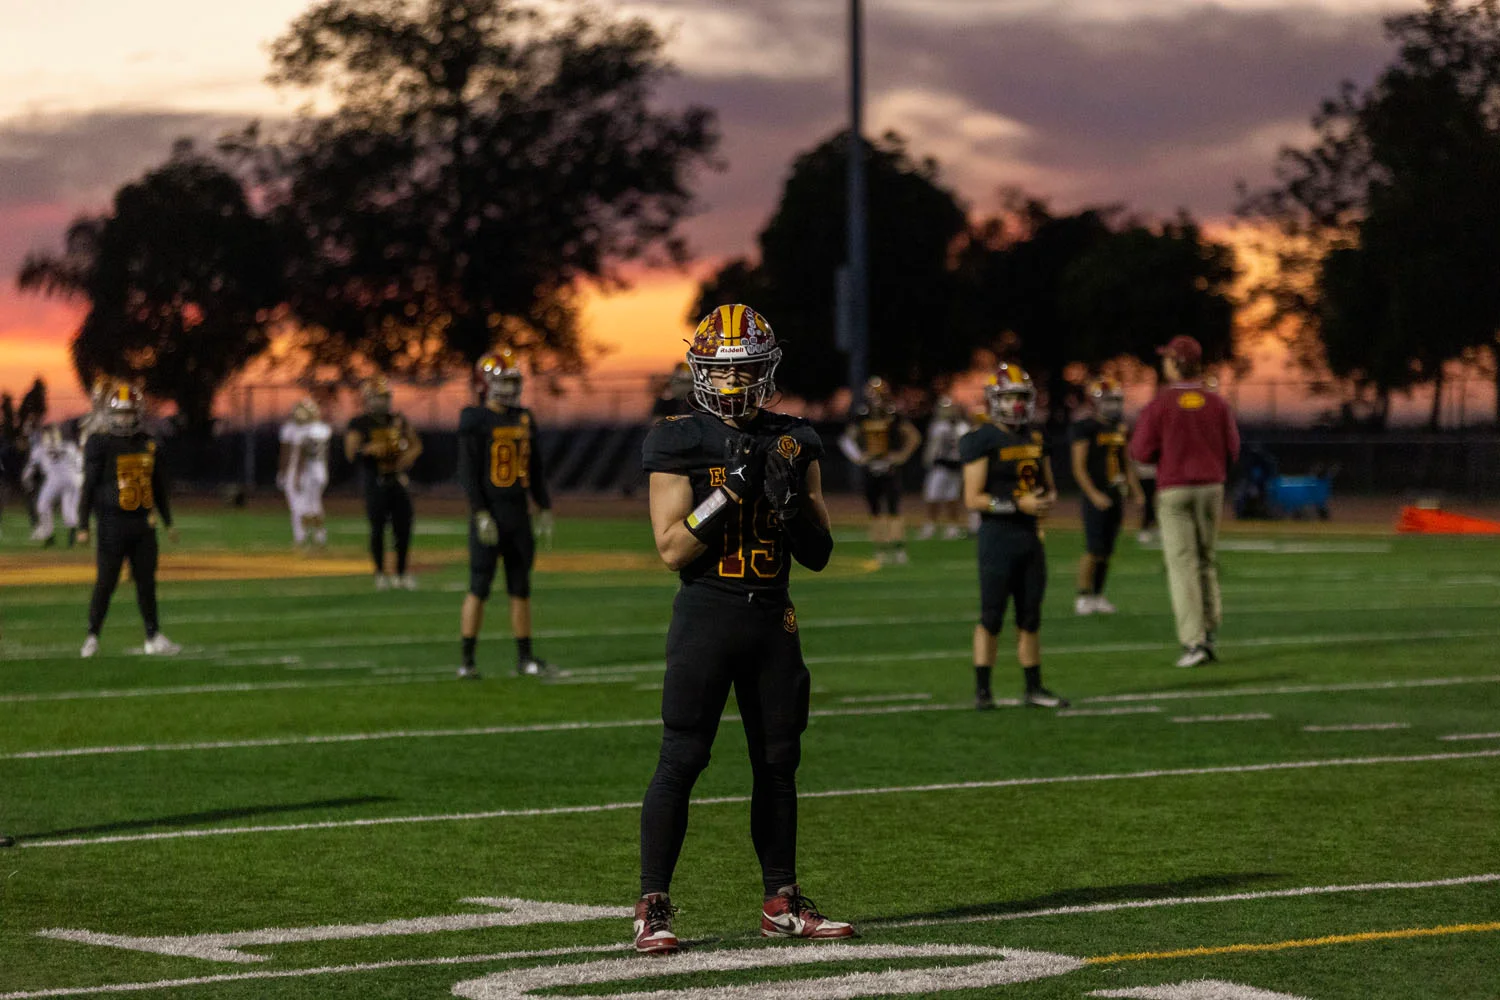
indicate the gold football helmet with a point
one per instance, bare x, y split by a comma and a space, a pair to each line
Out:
1010, 396
497, 377
1108, 397
733, 358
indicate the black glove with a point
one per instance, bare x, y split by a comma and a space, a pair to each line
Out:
784, 486
744, 465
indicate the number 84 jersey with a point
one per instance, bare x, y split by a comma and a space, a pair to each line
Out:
750, 553
498, 459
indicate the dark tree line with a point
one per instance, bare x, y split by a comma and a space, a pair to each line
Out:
1094, 287
481, 160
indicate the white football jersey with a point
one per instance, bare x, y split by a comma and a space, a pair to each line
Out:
309, 442
61, 463
942, 440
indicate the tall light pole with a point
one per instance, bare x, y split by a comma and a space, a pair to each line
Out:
855, 287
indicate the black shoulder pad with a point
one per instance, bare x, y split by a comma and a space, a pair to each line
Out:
672, 445
978, 443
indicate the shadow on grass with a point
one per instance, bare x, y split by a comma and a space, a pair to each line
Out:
1194, 886
211, 816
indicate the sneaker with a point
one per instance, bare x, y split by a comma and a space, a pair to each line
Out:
1042, 698
468, 673
383, 582
406, 581
653, 925
1083, 604
160, 645
1102, 605
90, 647
1195, 656
926, 532
984, 701
791, 914
533, 668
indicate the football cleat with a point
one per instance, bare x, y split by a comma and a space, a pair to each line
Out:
1042, 698
468, 673
90, 647
1083, 604
533, 667
383, 582
653, 925
926, 532
406, 581
953, 533
791, 914
984, 701
160, 645
1102, 605
1195, 656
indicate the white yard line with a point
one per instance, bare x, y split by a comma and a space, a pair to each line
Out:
634, 804
1123, 710
1151, 904
861, 699
1358, 727
1470, 736
1294, 689
147, 692
1241, 717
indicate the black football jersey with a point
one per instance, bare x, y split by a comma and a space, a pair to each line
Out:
877, 434
386, 428
752, 553
498, 458
1015, 465
1105, 459
122, 479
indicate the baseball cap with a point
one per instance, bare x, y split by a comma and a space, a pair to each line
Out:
1182, 348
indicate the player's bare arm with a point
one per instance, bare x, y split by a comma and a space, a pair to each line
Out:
815, 496
1049, 495
911, 440
671, 503
411, 447
849, 445
354, 445
1080, 453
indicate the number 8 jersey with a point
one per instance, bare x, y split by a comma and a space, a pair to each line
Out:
751, 554
498, 458
1015, 466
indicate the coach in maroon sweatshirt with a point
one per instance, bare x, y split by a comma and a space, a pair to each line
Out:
1189, 433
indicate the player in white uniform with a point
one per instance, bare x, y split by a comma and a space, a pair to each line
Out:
943, 488
303, 472
58, 462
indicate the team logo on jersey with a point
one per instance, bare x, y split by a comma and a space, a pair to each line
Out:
717, 476
1191, 401
789, 620
787, 447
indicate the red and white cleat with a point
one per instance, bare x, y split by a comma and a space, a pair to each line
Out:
791, 914
653, 925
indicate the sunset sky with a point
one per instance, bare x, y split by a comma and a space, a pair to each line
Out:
1157, 104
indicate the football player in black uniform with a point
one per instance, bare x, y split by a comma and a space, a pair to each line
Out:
676, 397
124, 484
880, 441
499, 464
384, 446
1107, 477
736, 494
1008, 481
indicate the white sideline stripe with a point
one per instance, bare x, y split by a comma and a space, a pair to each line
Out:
147, 692
1065, 779
1470, 736
1242, 717
863, 699
1357, 727
422, 734
552, 727
326, 970
1123, 710
1151, 904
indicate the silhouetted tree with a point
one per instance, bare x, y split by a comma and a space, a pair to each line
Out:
482, 159
914, 290
180, 279
1051, 290
1387, 229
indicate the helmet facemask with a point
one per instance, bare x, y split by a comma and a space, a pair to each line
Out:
123, 411
1011, 405
734, 387
1110, 406
502, 387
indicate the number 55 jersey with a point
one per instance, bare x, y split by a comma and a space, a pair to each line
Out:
123, 480
752, 554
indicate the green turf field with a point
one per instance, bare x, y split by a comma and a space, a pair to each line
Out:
1302, 820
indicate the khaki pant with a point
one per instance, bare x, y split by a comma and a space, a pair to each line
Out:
1189, 518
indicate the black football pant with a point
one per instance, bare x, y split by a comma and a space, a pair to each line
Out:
387, 502
119, 542
717, 641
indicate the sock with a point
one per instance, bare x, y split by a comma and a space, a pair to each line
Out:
523, 649
469, 642
1033, 677
982, 680
1101, 570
